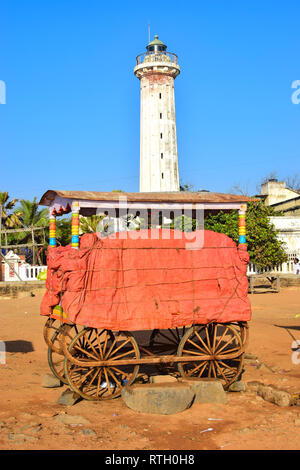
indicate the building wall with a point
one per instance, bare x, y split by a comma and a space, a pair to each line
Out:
289, 208
289, 231
276, 191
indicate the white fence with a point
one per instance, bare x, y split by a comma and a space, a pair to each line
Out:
25, 272
30, 273
14, 268
284, 268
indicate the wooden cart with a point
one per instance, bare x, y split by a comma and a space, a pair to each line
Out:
97, 363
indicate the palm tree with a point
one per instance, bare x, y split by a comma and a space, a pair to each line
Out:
90, 224
31, 216
8, 219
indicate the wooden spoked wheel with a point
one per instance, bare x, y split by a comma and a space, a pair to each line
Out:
222, 350
55, 351
51, 327
101, 382
243, 330
166, 342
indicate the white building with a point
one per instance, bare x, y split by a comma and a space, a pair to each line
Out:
276, 194
288, 231
284, 200
156, 69
14, 268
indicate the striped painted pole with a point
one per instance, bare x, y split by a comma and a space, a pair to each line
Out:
75, 225
242, 226
52, 229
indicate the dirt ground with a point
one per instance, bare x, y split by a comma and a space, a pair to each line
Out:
30, 417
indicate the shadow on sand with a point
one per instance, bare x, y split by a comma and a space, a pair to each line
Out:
19, 346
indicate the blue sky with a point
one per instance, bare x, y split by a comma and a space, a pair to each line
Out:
71, 118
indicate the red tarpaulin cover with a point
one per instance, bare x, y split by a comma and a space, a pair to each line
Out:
147, 282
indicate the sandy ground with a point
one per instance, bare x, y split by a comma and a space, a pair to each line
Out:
246, 422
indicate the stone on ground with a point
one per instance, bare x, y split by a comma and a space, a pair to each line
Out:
254, 386
278, 397
206, 390
32, 428
88, 432
270, 393
165, 399
159, 379
74, 420
50, 381
238, 386
68, 398
20, 437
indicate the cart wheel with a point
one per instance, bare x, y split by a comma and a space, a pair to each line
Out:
166, 342
67, 333
51, 326
243, 330
56, 360
55, 351
101, 382
222, 343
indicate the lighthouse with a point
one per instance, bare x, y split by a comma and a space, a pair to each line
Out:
156, 69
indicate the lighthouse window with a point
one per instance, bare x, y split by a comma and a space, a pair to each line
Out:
161, 155
161, 135
162, 176
160, 115
160, 96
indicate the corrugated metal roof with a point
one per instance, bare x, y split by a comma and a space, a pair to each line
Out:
180, 196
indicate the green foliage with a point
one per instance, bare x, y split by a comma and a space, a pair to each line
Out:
224, 222
264, 248
90, 224
8, 218
184, 223
30, 215
63, 230
27, 214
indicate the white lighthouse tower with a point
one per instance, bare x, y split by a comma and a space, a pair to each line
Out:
156, 69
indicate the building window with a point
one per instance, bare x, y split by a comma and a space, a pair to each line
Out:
161, 135
161, 155
160, 96
162, 176
160, 115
